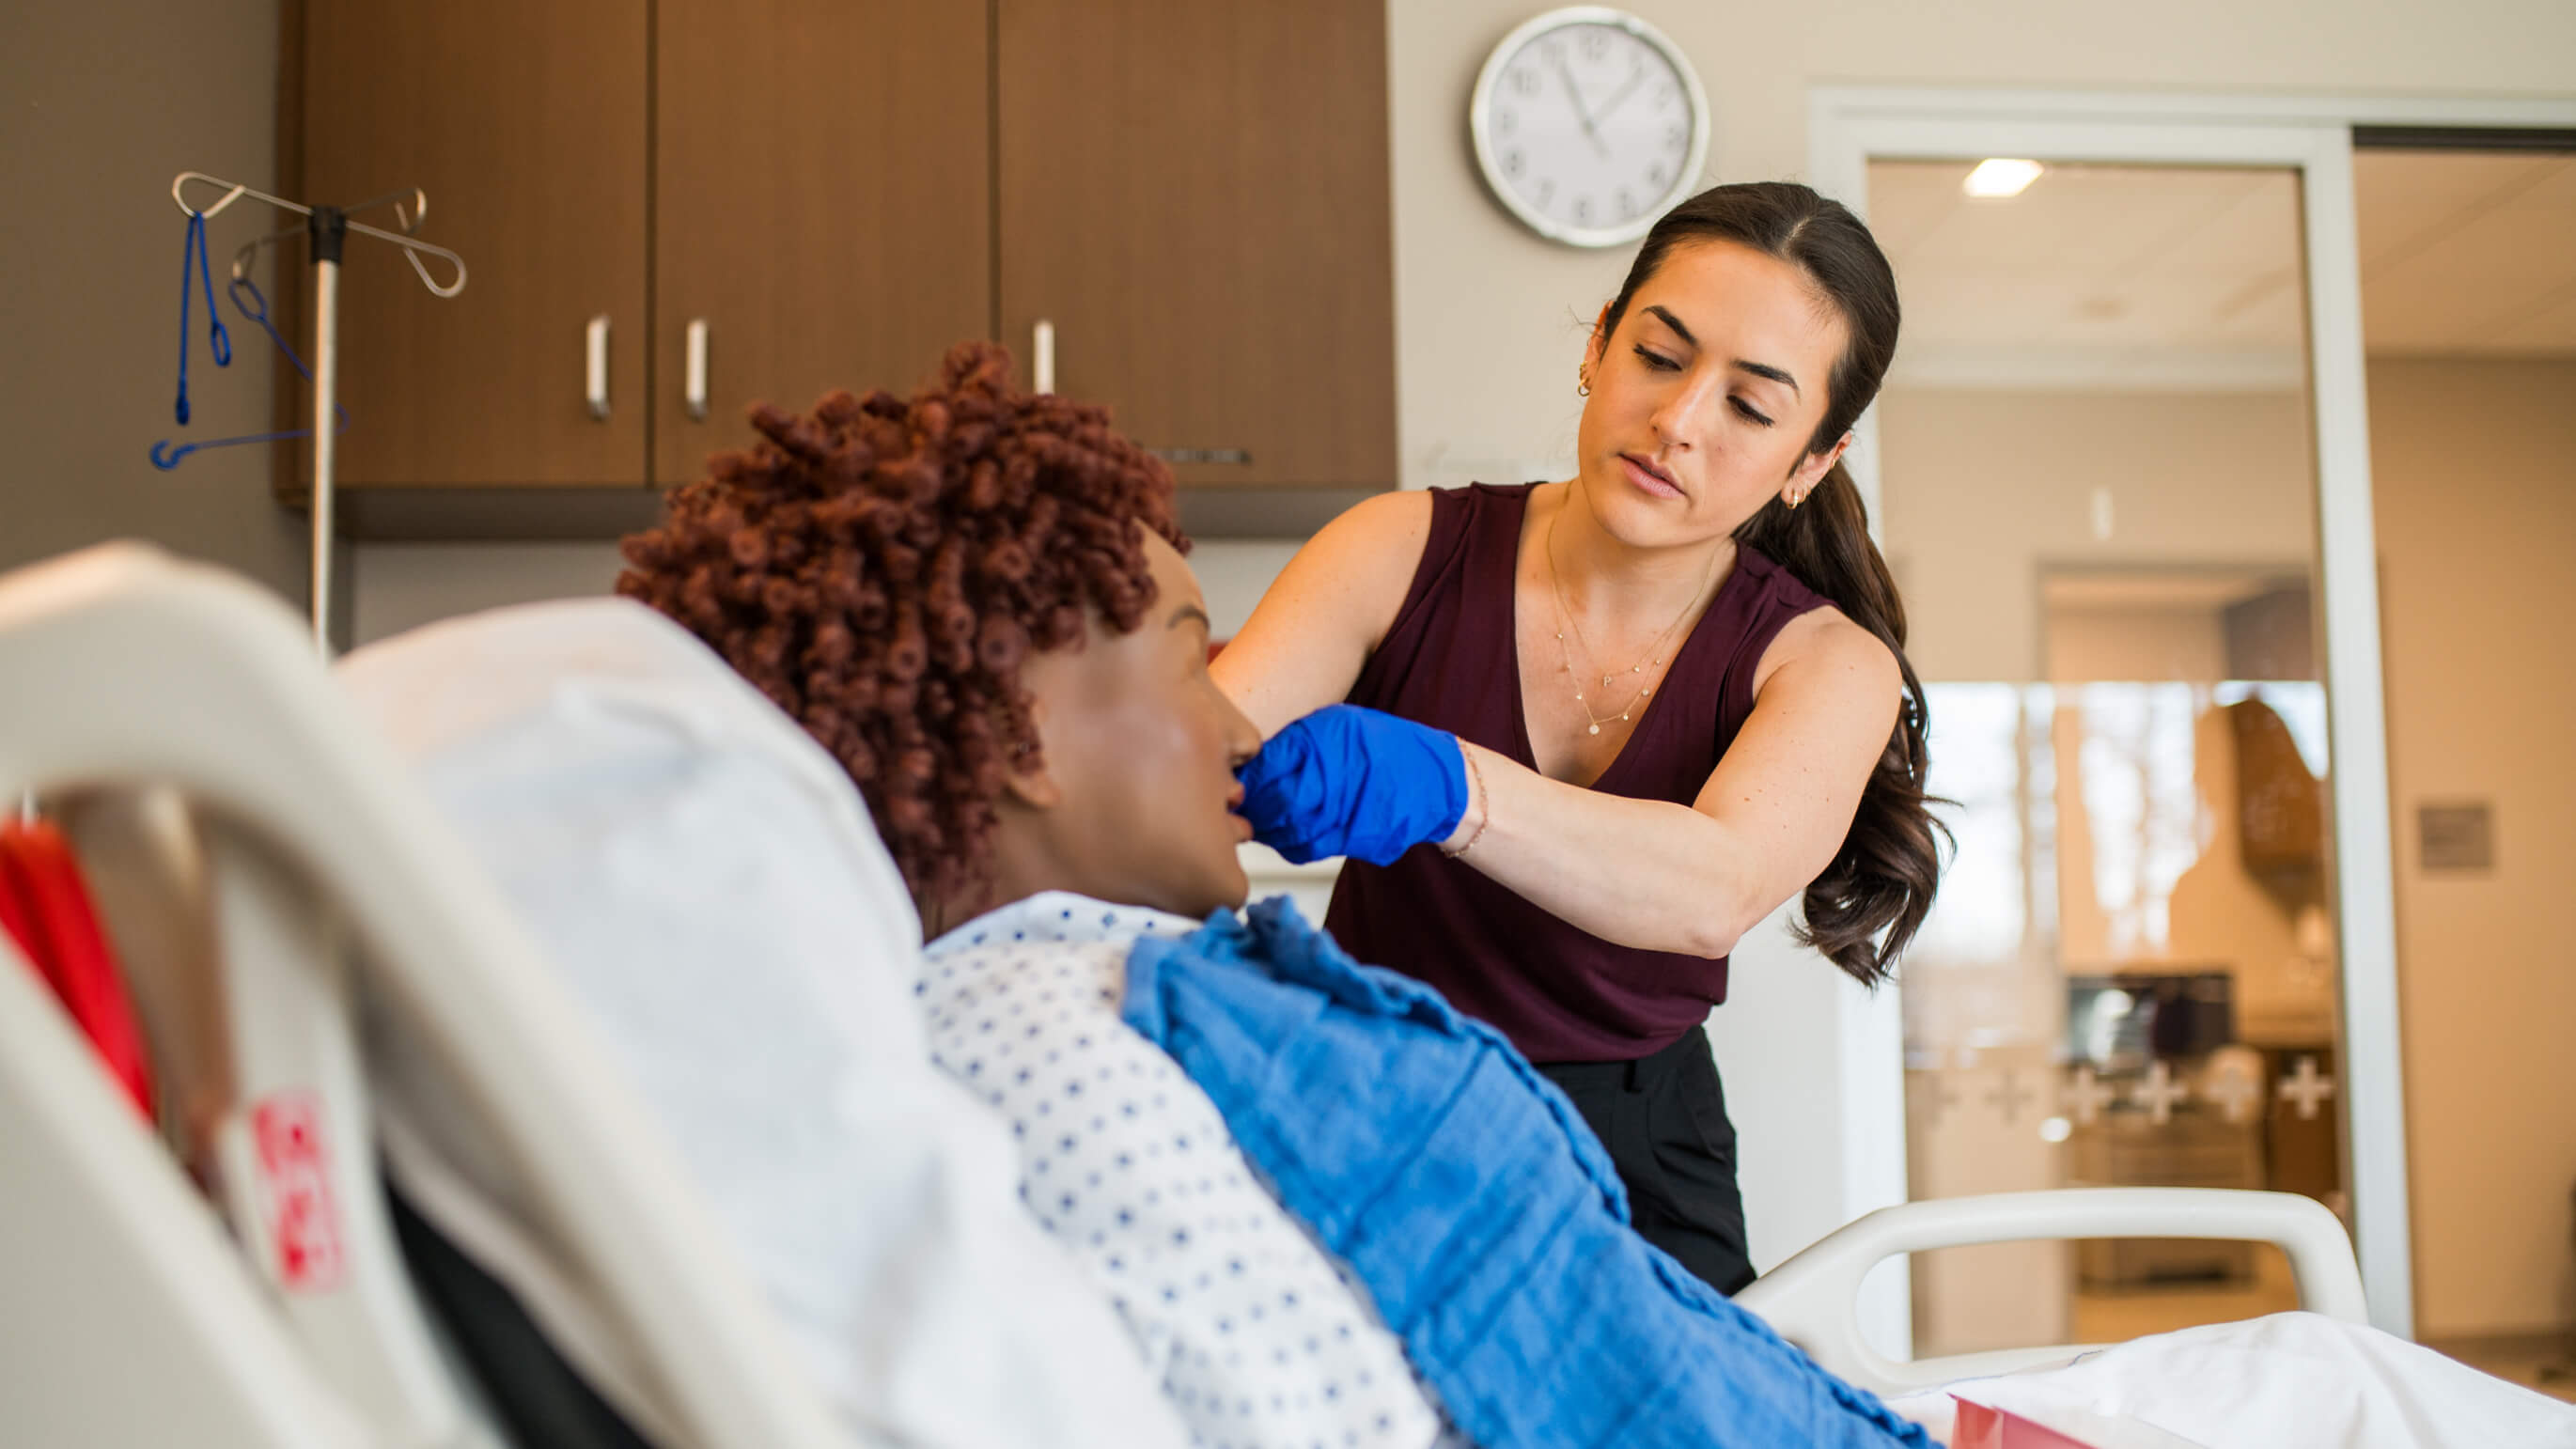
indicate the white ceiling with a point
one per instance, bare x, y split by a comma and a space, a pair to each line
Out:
2188, 278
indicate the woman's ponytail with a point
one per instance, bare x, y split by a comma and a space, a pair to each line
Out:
1869, 903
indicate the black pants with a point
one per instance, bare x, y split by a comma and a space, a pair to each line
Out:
1663, 1118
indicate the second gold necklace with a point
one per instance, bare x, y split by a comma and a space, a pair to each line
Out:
1565, 617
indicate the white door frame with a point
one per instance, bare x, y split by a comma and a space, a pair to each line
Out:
1847, 128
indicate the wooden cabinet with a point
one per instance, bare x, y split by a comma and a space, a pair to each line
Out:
526, 126
1194, 195
822, 202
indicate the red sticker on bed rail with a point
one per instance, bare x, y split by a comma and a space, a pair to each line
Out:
295, 1181
1981, 1427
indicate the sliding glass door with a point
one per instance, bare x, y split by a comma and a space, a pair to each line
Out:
2121, 471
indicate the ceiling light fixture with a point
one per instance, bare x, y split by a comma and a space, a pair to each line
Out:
1998, 177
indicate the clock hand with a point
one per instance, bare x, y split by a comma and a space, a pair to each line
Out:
1575, 93
1621, 94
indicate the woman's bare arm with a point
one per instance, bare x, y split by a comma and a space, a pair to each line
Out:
1649, 874
1694, 878
1326, 612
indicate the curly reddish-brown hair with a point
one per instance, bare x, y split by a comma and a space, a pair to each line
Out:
881, 567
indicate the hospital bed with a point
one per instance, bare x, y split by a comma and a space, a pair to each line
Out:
264, 862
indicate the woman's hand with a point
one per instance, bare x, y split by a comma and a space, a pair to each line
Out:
1351, 781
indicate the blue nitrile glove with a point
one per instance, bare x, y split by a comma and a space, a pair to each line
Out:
1351, 781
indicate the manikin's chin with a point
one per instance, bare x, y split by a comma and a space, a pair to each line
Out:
1228, 891
1220, 886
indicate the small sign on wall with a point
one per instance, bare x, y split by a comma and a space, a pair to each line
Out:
2457, 835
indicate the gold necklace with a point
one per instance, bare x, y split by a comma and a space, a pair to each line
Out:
1565, 616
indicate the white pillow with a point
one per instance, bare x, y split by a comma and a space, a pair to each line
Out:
707, 883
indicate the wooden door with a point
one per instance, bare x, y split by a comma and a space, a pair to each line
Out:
823, 204
1195, 195
526, 124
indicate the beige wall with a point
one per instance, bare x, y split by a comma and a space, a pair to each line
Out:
2475, 468
1489, 318
1980, 488
106, 102
402, 585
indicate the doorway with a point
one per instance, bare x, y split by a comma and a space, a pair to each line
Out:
2100, 496
2279, 151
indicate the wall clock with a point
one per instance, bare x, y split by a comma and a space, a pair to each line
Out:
1589, 124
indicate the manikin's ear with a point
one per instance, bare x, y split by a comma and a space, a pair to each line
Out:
1035, 788
1811, 470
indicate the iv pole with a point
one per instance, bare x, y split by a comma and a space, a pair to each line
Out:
327, 227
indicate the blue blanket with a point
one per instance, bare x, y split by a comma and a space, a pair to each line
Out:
1482, 1214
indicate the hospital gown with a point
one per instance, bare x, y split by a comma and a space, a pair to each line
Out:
1258, 1338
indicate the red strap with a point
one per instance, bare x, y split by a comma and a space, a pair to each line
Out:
46, 907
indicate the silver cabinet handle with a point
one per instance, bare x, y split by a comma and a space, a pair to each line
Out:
694, 383
594, 366
1042, 356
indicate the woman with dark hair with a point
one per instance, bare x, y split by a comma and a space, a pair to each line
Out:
1607, 725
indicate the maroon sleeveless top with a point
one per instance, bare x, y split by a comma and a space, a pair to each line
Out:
1450, 660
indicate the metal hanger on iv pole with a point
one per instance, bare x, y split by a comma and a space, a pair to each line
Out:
327, 227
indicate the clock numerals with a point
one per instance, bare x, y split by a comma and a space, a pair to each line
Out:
1586, 128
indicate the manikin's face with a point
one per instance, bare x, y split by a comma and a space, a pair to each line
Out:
1135, 798
1705, 397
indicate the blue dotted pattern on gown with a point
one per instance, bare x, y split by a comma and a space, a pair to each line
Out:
1463, 1190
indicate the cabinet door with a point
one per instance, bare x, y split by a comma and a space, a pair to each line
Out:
526, 126
824, 204
1195, 195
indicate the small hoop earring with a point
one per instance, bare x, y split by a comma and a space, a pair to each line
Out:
1582, 386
